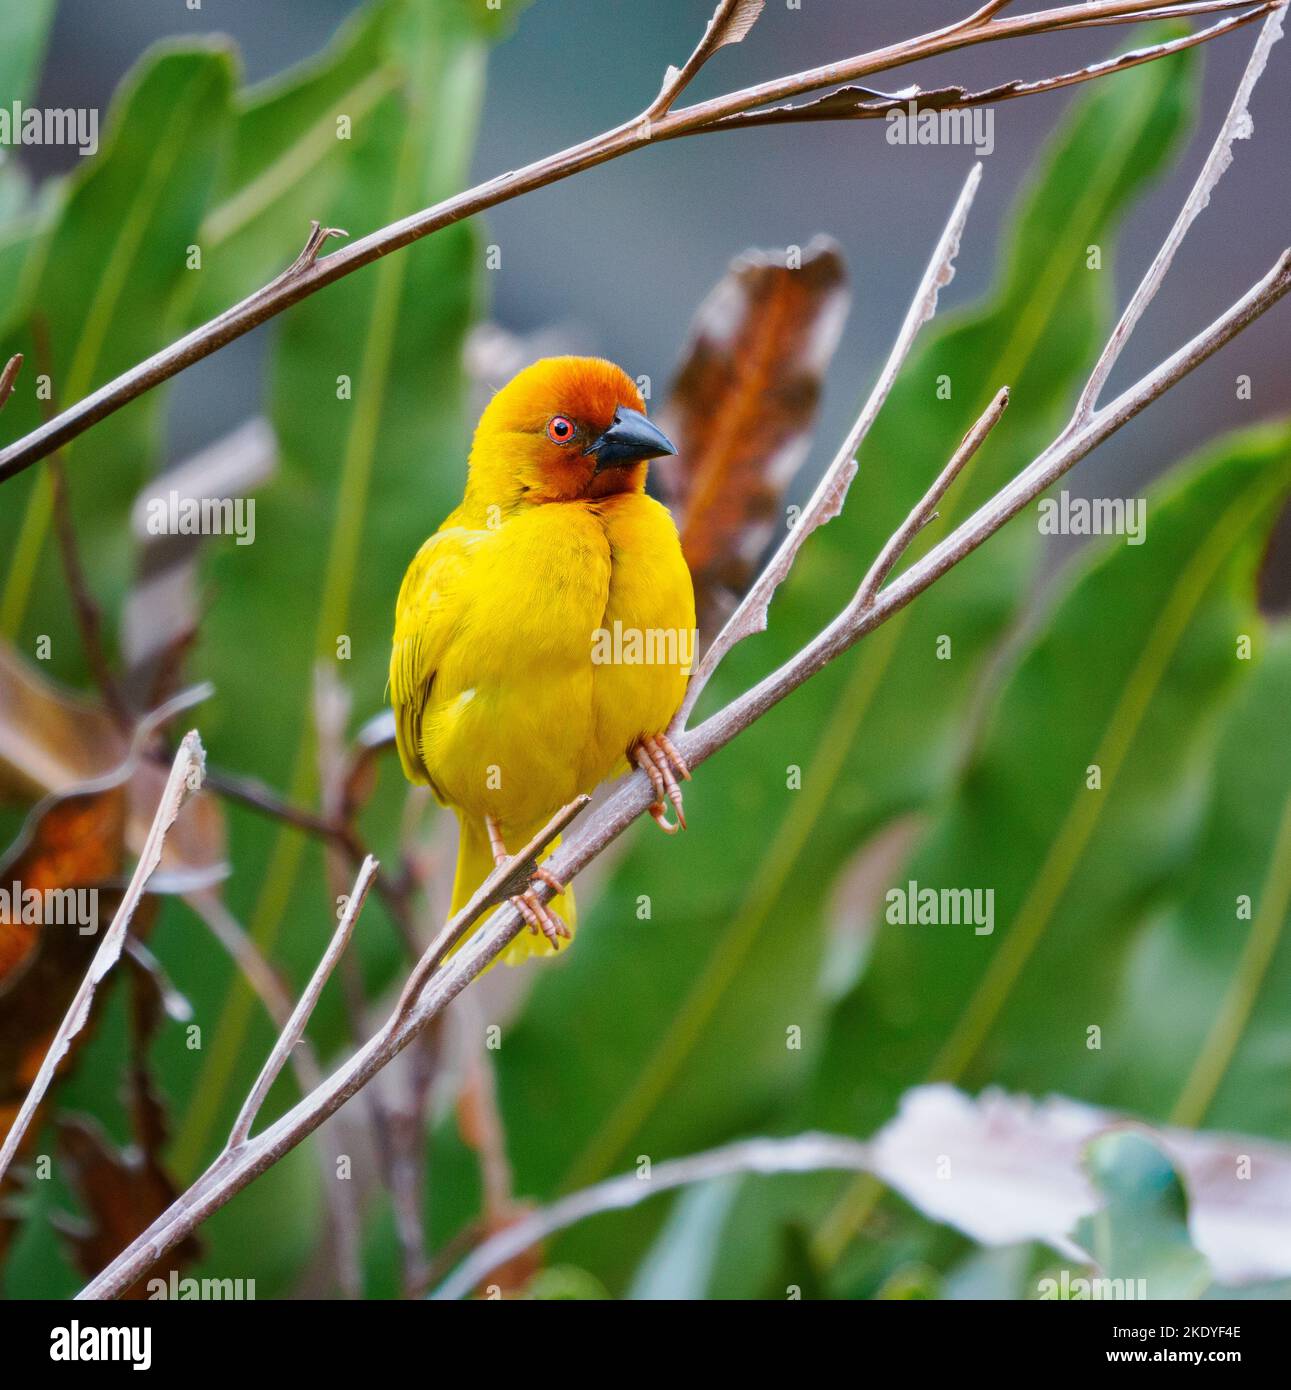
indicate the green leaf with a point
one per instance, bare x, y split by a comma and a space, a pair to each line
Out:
107, 282
730, 956
21, 225
293, 141
1141, 1231
26, 29
1130, 674
565, 1282
368, 407
1203, 1019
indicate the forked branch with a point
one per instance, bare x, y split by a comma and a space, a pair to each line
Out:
658, 122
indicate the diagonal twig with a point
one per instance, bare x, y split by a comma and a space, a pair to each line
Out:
301, 280
731, 22
300, 1015
750, 615
926, 509
1237, 126
185, 776
8, 376
860, 103
504, 882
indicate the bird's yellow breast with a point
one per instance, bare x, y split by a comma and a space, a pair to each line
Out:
558, 638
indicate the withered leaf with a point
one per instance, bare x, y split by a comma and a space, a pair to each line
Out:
54, 741
742, 408
74, 842
121, 1193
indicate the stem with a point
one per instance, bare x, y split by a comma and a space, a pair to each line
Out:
644, 130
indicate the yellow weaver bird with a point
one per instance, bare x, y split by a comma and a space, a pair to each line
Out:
543, 635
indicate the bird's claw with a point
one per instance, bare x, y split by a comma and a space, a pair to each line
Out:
549, 879
528, 904
540, 918
660, 761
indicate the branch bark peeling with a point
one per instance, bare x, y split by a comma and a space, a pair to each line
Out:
438, 980
309, 274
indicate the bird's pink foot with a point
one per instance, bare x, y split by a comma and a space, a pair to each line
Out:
661, 762
540, 918
531, 907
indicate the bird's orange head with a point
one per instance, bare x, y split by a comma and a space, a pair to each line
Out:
563, 429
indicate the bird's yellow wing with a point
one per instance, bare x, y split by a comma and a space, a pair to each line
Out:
426, 617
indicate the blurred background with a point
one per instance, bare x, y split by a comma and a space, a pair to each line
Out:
1092, 732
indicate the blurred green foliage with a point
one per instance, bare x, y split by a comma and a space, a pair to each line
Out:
666, 1032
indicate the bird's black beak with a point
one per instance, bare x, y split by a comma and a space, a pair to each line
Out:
628, 440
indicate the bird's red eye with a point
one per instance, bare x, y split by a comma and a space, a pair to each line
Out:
560, 429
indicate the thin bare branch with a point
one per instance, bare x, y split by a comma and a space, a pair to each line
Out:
1189, 9
851, 625
750, 615
1237, 126
185, 776
300, 1016
504, 882
731, 22
7, 378
85, 607
708, 114
272, 993
860, 103
987, 12
900, 540
802, 1153
302, 280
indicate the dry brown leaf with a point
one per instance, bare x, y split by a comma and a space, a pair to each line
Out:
54, 741
51, 740
121, 1193
75, 842
95, 809
742, 408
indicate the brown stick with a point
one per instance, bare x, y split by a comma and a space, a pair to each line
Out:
307, 275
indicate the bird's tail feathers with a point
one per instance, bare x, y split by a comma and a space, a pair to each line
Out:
475, 864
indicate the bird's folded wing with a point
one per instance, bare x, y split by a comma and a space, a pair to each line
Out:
426, 616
